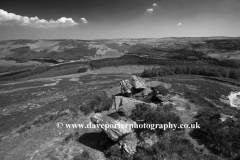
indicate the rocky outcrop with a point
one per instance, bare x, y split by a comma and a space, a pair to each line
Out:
126, 105
117, 116
115, 129
134, 84
138, 83
126, 87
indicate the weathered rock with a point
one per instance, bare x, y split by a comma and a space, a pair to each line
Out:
129, 143
135, 83
129, 147
138, 83
126, 87
126, 105
115, 129
234, 99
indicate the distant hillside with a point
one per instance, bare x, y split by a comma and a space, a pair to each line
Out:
221, 48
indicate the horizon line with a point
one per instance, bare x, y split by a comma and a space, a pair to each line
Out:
114, 38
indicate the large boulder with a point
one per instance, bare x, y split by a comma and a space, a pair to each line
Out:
234, 99
126, 87
134, 84
138, 83
114, 129
126, 105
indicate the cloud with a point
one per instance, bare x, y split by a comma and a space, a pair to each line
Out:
179, 24
84, 20
149, 10
13, 19
154, 4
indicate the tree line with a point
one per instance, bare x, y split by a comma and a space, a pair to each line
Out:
203, 70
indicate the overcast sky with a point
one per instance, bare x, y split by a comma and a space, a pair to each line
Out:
100, 19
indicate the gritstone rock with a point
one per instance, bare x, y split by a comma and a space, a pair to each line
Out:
126, 87
126, 105
135, 83
138, 83
115, 129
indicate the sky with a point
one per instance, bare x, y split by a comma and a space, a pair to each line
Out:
109, 19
